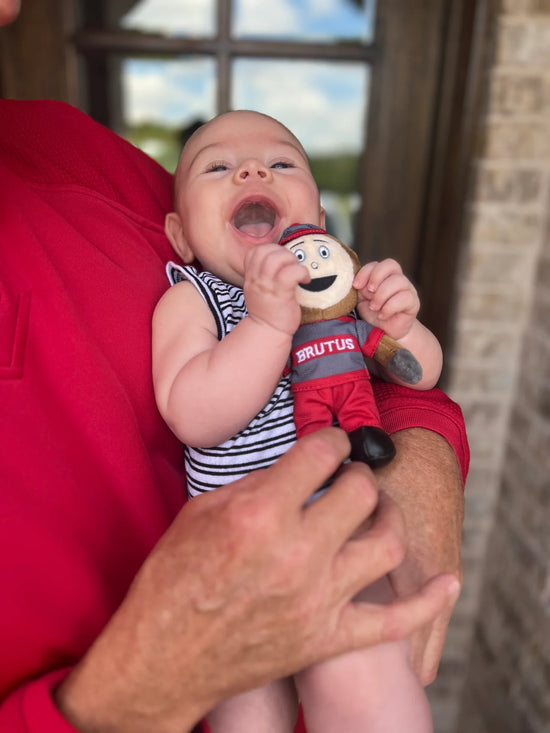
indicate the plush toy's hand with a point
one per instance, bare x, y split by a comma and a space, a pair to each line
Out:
271, 275
387, 298
398, 361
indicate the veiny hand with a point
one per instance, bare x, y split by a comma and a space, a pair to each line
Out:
387, 298
271, 275
246, 586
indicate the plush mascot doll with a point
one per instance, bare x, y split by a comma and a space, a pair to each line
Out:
328, 372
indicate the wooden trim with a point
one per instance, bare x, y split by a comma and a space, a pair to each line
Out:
223, 55
92, 40
399, 129
468, 49
425, 100
35, 54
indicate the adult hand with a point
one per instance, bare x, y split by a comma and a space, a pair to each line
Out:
246, 586
424, 479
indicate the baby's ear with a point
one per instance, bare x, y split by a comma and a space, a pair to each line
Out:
174, 231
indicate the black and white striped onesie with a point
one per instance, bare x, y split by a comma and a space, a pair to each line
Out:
269, 434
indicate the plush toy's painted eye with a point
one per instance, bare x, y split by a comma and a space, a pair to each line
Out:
324, 252
300, 254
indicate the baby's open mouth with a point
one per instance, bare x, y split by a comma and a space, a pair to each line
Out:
255, 218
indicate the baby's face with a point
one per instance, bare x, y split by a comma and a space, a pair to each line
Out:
242, 179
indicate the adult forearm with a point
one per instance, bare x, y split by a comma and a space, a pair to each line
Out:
424, 479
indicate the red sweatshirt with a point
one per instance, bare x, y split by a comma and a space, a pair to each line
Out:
90, 476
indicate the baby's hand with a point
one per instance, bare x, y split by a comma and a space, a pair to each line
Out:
271, 275
387, 298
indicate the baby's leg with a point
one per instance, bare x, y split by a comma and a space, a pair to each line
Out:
371, 691
269, 709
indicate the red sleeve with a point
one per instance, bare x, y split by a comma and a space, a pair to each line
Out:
401, 408
372, 342
31, 708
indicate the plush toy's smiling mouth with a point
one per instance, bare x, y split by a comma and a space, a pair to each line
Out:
318, 283
255, 218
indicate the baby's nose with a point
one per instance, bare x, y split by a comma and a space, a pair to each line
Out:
252, 168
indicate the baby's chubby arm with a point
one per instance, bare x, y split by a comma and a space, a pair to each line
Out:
207, 390
389, 300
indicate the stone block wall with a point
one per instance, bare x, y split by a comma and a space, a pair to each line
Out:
507, 687
495, 673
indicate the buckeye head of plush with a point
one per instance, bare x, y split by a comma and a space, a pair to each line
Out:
332, 267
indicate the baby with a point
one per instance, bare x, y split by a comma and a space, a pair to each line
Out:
221, 340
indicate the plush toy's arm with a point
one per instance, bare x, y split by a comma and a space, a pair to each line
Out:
398, 361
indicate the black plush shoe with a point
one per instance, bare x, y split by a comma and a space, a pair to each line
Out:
372, 446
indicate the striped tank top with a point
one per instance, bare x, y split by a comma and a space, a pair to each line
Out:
269, 435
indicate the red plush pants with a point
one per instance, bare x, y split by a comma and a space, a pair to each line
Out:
351, 403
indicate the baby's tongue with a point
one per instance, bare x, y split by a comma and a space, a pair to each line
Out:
255, 228
256, 219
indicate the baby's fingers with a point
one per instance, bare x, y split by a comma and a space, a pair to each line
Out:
404, 301
392, 286
362, 277
372, 275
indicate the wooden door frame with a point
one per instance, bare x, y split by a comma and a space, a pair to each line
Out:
438, 105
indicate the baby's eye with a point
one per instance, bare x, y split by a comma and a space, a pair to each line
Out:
300, 254
216, 166
282, 164
324, 252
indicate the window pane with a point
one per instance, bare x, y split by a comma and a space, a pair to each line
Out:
324, 104
304, 20
189, 18
162, 99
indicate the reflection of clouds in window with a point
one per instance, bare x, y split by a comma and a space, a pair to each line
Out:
258, 18
168, 91
322, 103
304, 19
172, 17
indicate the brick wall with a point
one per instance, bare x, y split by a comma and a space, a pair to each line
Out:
497, 669
508, 683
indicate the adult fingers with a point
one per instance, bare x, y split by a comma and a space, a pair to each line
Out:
340, 511
365, 624
427, 644
374, 552
307, 466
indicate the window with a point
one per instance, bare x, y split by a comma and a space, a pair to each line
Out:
411, 73
157, 69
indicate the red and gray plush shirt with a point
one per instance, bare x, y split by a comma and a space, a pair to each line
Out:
332, 352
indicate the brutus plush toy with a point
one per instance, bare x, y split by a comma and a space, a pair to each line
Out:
328, 372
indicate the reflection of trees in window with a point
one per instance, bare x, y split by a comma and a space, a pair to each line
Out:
154, 66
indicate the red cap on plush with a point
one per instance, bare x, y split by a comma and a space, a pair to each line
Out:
299, 230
